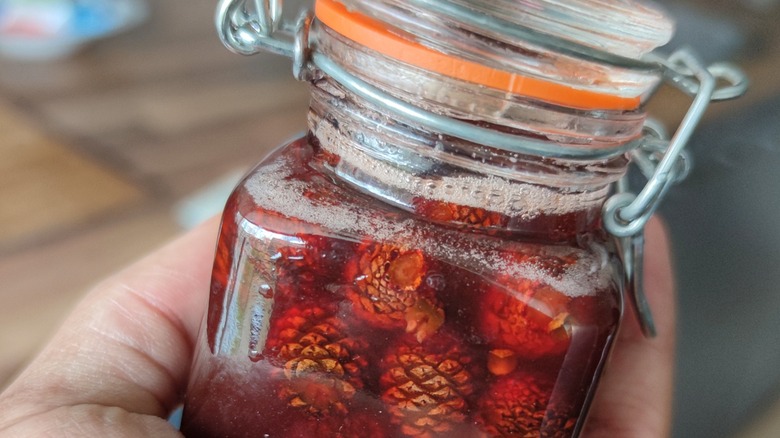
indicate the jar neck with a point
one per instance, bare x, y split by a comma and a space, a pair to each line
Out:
453, 181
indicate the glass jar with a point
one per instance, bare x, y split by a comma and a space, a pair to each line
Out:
404, 269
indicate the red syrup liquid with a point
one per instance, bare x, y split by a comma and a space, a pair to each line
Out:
332, 314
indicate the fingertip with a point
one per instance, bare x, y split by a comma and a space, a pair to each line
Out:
635, 393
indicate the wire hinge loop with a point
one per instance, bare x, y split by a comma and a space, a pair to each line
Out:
248, 27
664, 164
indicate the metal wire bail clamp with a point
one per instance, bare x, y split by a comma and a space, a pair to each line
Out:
625, 214
251, 26
248, 27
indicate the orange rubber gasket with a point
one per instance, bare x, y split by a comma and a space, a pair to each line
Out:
375, 35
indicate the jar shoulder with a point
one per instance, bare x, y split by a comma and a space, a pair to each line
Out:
286, 195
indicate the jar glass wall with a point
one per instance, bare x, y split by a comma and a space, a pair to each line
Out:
332, 312
377, 277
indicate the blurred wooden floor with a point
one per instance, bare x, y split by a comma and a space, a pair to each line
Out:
95, 151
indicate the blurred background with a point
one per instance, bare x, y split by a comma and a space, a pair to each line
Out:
122, 129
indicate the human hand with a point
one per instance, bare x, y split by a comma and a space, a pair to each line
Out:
634, 398
119, 364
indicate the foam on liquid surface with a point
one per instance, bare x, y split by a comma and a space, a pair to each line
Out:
272, 189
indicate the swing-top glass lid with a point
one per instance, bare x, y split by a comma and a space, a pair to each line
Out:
592, 46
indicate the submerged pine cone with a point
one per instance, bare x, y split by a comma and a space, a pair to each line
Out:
322, 365
301, 268
389, 290
526, 317
298, 269
518, 406
297, 255
426, 385
448, 212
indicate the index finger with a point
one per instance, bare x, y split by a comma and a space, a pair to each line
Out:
634, 398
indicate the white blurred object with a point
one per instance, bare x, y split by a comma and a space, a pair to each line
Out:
51, 29
208, 201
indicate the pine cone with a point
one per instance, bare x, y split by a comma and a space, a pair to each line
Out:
389, 290
448, 212
303, 264
322, 366
525, 316
518, 406
300, 269
426, 385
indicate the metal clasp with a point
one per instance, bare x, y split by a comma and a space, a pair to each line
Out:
625, 214
248, 27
